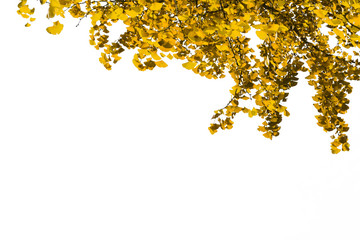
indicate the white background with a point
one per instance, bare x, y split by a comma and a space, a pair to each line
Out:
87, 153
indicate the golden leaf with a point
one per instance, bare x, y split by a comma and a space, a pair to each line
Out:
262, 35
339, 33
56, 28
156, 6
161, 64
189, 65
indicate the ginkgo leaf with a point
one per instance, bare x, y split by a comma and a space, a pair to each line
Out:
252, 113
96, 17
355, 37
56, 28
196, 35
118, 14
155, 56
335, 150
336, 22
156, 6
262, 35
283, 28
161, 64
189, 65
356, 5
339, 33
280, 72
267, 135
132, 13
223, 47
345, 147
183, 17
137, 9
320, 13
213, 128
273, 28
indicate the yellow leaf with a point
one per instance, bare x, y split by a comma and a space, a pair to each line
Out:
320, 13
280, 72
155, 56
252, 113
55, 8
356, 20
213, 128
117, 14
355, 37
335, 22
261, 129
339, 33
25, 9
96, 17
183, 17
210, 30
196, 36
27, 25
356, 5
132, 13
137, 9
235, 89
143, 33
283, 28
346, 147
235, 33
260, 26
189, 65
267, 135
273, 28
335, 150
161, 64
223, 47
281, 4
247, 16
56, 28
262, 35
156, 6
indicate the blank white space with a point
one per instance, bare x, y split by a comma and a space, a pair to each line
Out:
87, 153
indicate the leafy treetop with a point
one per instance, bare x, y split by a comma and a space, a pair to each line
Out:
210, 35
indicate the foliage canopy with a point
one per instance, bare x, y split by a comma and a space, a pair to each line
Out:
211, 36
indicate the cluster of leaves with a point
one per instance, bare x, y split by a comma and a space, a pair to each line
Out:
210, 35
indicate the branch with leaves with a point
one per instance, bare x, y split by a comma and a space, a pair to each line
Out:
210, 36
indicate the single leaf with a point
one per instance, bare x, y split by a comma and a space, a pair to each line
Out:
339, 33
262, 35
56, 28
132, 13
161, 64
189, 65
156, 6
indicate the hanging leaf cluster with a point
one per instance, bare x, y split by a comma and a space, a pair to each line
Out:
210, 36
